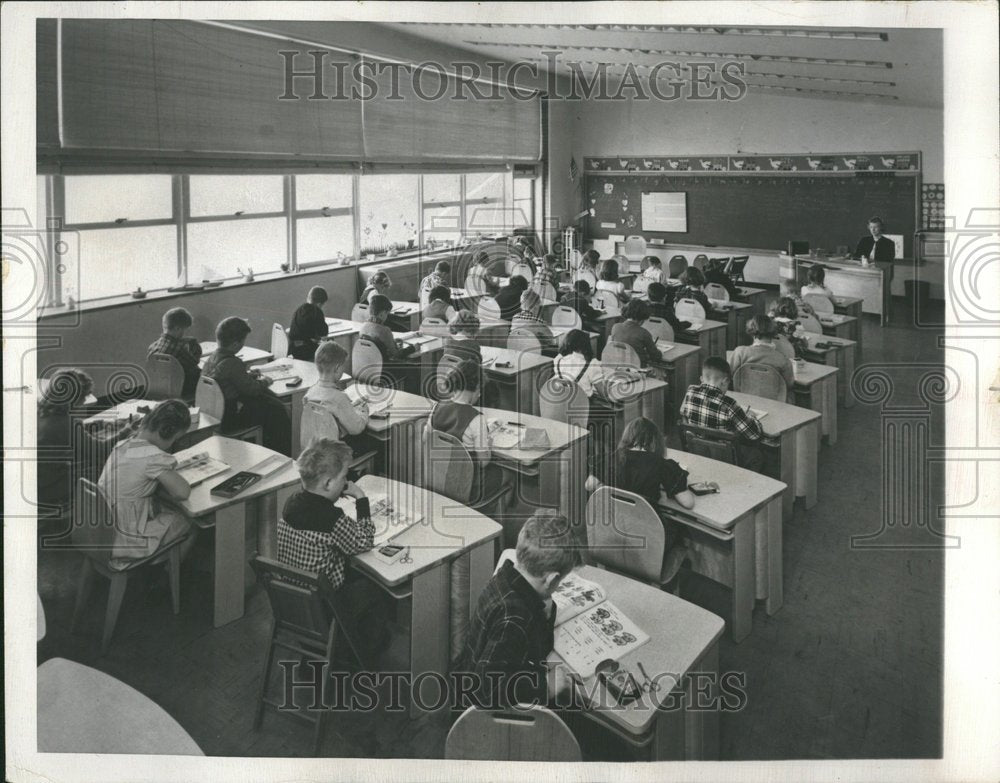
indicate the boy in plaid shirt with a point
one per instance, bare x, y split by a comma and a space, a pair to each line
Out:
176, 321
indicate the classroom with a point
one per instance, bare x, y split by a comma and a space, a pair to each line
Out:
489, 390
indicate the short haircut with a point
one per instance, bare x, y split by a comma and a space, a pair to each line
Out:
581, 287
231, 330
482, 258
692, 276
168, 419
789, 284
442, 268
545, 545
379, 278
323, 457
518, 282
464, 376
464, 321
641, 433
785, 307
377, 305
591, 257
577, 341
317, 295
875, 219
609, 270
329, 355
440, 292
716, 365
636, 310
653, 260
817, 274
67, 389
550, 260
762, 326
656, 292
530, 300
177, 317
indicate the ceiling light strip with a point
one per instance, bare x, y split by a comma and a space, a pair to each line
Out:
770, 32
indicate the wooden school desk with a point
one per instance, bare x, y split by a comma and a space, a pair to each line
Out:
560, 332
230, 517
710, 338
839, 325
633, 395
400, 432
872, 283
519, 384
344, 333
449, 530
841, 355
681, 366
683, 640
735, 315
797, 431
735, 535
406, 316
250, 356
292, 395
560, 468
754, 296
425, 357
851, 307
816, 388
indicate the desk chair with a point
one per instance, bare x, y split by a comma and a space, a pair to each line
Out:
819, 303
737, 264
366, 361
586, 274
700, 262
523, 340
761, 380
307, 620
626, 535
573, 257
607, 301
782, 344
434, 326
641, 285
522, 733
716, 291
677, 265
525, 270
318, 422
93, 535
810, 323
562, 399
690, 310
619, 354
449, 470
279, 341
646, 261
208, 396
488, 307
659, 329
634, 248
566, 317
166, 377
359, 312
545, 291
707, 442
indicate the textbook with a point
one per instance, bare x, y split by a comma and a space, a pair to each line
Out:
200, 467
277, 371
389, 518
589, 628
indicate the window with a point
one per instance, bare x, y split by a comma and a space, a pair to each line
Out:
523, 203
442, 207
388, 210
228, 194
112, 198
324, 217
119, 260
484, 204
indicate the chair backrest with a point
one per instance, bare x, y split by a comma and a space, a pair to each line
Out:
782, 344
737, 264
607, 301
761, 380
588, 275
619, 354
641, 285
317, 422
488, 307
707, 442
573, 257
625, 534
622, 261
716, 291
810, 323
366, 361
646, 261
446, 364
562, 399
699, 262
524, 270
635, 248
435, 326
523, 340
660, 329
359, 312
689, 310
522, 733
677, 265
166, 377
719, 263
279, 341
545, 291
448, 467
566, 316
209, 397
93, 522
819, 303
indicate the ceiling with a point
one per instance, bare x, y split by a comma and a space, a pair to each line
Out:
901, 66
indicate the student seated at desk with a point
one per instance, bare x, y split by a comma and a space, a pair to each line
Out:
708, 405
509, 298
608, 280
790, 289
463, 342
715, 273
528, 319
439, 303
249, 401
654, 271
579, 300
693, 287
479, 280
441, 276
308, 325
785, 314
351, 417
660, 306
817, 283
576, 362
630, 331
379, 308
589, 262
547, 273
763, 351
503, 661
187, 351
138, 476
378, 285
316, 535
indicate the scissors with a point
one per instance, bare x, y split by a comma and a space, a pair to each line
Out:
650, 685
406, 556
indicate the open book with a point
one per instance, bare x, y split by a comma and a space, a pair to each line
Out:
389, 519
280, 370
589, 628
378, 407
200, 467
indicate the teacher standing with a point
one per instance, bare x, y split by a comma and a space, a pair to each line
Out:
876, 247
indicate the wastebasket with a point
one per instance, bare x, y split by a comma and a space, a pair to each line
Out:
918, 293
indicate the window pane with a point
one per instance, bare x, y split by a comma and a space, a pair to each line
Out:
388, 210
442, 224
229, 194
439, 188
224, 246
484, 207
115, 261
315, 191
523, 207
106, 198
322, 238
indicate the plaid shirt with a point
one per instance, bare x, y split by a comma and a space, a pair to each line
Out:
432, 281
544, 276
186, 350
523, 316
708, 406
510, 636
316, 536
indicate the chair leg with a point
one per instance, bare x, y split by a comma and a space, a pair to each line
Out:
174, 572
331, 645
85, 584
115, 595
264, 677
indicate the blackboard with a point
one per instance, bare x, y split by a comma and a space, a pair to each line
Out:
761, 211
